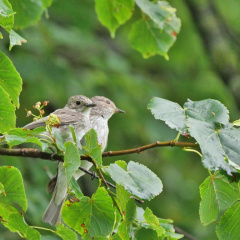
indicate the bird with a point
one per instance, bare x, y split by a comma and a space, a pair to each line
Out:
99, 116
75, 113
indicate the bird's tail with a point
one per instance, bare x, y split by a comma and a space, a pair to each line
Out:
52, 215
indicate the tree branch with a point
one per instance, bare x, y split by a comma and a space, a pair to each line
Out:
36, 153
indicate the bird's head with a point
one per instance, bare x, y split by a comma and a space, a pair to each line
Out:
104, 107
80, 103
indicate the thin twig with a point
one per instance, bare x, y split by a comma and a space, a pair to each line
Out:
93, 174
186, 234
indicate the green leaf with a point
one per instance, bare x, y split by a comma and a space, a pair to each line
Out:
114, 13
208, 110
149, 234
175, 116
123, 197
228, 226
207, 122
155, 33
94, 150
123, 231
27, 12
153, 222
91, 217
65, 233
131, 211
138, 180
15, 39
12, 181
16, 223
6, 15
169, 229
121, 164
218, 194
75, 188
155, 11
216, 144
18, 136
10, 81
71, 160
169, 112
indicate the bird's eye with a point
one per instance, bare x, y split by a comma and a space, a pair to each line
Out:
108, 102
78, 102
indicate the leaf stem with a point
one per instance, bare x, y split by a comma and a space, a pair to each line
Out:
45, 229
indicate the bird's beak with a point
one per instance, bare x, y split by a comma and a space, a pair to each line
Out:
91, 105
119, 111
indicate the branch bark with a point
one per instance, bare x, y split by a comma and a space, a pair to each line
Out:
36, 153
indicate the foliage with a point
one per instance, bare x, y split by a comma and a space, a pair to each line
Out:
206, 121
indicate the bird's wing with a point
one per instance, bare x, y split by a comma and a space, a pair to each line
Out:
35, 124
66, 115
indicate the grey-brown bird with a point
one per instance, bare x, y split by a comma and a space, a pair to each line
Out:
76, 114
99, 116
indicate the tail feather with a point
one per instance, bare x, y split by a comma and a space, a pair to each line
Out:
52, 214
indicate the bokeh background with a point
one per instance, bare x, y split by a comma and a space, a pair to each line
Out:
72, 53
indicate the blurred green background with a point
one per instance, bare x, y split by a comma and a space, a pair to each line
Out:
71, 53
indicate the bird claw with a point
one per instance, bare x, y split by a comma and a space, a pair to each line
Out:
94, 175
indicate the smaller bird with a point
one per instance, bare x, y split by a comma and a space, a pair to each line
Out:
99, 116
76, 114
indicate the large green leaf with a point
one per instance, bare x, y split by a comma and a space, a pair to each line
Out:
71, 160
11, 179
216, 144
169, 112
91, 217
10, 80
114, 13
156, 32
138, 180
218, 194
207, 122
208, 110
175, 116
27, 12
6, 15
228, 226
65, 233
